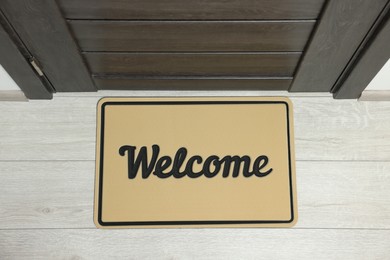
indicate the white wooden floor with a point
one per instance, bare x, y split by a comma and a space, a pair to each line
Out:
47, 176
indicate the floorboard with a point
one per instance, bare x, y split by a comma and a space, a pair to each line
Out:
59, 194
194, 244
325, 129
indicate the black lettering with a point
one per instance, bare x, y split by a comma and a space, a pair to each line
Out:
190, 167
142, 158
259, 164
162, 164
206, 166
210, 168
178, 162
237, 160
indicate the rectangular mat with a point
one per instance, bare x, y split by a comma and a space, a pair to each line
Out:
195, 162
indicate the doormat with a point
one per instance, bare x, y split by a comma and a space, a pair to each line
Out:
195, 162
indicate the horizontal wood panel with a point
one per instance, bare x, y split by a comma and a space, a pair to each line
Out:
195, 244
183, 10
330, 194
191, 83
191, 35
325, 129
194, 64
185, 93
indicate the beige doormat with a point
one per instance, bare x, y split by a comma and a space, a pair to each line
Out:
195, 162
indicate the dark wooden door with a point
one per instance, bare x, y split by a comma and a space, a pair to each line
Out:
294, 45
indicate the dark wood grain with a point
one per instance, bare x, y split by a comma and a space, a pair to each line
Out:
17, 66
44, 31
184, 10
341, 29
191, 36
369, 61
194, 64
191, 83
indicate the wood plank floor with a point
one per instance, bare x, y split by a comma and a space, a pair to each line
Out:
47, 151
